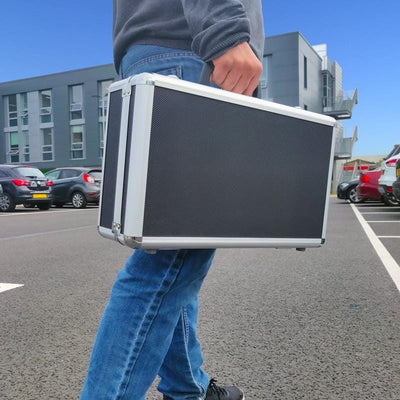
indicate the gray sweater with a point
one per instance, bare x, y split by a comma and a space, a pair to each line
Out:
207, 27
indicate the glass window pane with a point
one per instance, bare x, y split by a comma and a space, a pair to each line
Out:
26, 137
47, 156
12, 103
24, 100
13, 122
76, 128
13, 139
76, 114
77, 154
45, 119
15, 158
103, 87
77, 137
76, 94
45, 98
47, 139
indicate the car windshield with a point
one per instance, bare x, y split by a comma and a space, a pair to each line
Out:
96, 174
30, 172
395, 151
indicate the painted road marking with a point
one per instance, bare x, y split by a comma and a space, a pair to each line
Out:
377, 222
380, 212
388, 261
44, 212
389, 237
46, 233
9, 286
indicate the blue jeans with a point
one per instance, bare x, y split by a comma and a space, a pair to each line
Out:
149, 324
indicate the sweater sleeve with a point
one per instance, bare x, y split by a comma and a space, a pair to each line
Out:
216, 26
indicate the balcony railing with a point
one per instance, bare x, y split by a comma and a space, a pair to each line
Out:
342, 106
345, 140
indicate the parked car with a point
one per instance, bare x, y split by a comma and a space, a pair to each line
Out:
22, 184
396, 183
386, 180
368, 187
75, 185
348, 191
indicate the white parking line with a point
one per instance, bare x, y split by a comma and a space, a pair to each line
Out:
44, 212
379, 212
46, 233
388, 261
389, 237
9, 286
377, 222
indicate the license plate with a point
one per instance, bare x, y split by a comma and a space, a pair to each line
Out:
398, 172
39, 196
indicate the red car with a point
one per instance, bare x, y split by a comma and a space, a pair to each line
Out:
368, 187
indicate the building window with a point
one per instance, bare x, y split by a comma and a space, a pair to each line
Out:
45, 106
77, 142
12, 110
305, 72
13, 150
305, 106
103, 97
76, 102
24, 109
264, 84
327, 89
25, 135
103, 87
47, 144
101, 130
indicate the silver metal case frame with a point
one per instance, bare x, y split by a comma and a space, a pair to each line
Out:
132, 219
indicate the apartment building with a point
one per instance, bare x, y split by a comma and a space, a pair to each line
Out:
55, 120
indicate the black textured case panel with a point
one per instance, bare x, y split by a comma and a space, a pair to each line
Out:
111, 160
218, 169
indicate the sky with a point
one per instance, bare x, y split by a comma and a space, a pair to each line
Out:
39, 37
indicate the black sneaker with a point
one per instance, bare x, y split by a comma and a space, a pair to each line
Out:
215, 392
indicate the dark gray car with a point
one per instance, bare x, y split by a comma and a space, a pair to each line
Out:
75, 185
23, 184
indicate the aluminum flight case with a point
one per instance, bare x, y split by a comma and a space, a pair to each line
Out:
190, 166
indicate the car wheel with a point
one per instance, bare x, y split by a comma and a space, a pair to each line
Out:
44, 206
78, 200
390, 200
352, 195
7, 203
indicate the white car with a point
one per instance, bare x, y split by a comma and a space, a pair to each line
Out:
386, 180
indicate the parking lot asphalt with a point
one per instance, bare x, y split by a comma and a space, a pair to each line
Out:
282, 324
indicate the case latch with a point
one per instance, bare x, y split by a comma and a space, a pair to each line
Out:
116, 230
126, 91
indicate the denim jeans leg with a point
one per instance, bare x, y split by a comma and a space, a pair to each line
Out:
139, 323
184, 360
153, 303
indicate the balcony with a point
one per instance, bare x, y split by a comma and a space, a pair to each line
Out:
345, 140
341, 107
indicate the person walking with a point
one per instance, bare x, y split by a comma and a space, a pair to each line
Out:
149, 324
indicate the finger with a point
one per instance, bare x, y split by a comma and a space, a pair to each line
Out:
242, 85
252, 86
231, 80
219, 75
